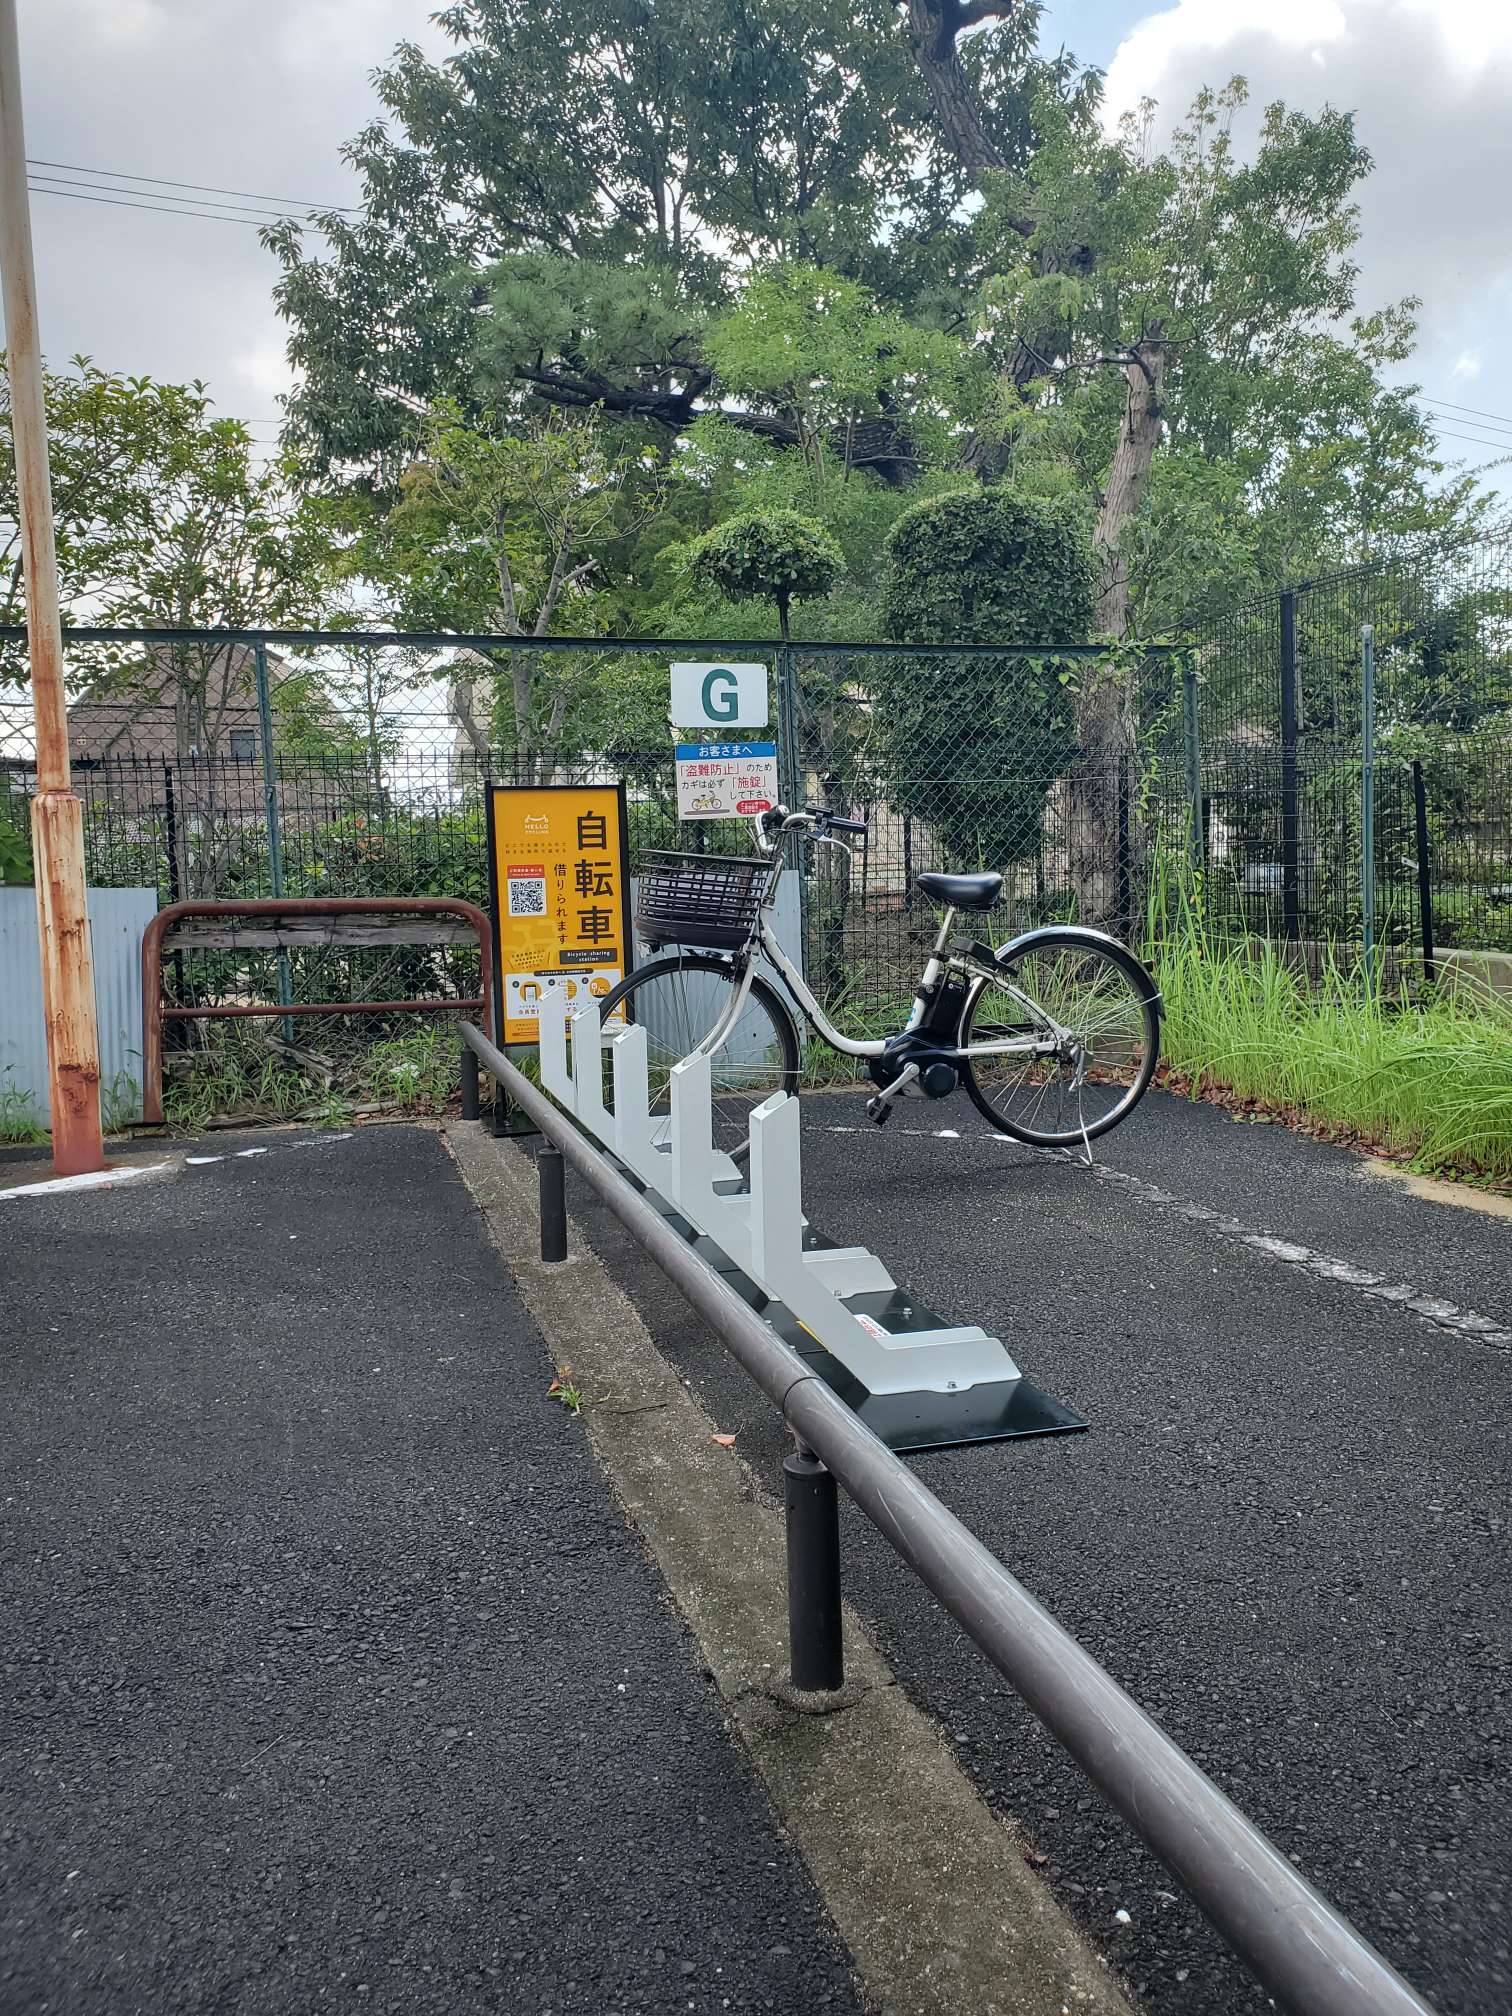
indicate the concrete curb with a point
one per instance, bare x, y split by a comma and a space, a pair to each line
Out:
928, 1888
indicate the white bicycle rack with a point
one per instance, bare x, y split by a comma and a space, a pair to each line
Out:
759, 1230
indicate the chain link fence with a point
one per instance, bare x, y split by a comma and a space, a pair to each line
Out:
312, 765
959, 760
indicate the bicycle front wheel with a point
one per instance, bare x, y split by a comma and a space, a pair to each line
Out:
681, 999
1087, 1019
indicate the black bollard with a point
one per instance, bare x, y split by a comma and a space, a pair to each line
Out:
469, 1082
553, 1203
813, 1559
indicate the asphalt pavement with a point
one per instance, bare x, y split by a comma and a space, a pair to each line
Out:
332, 1675
1286, 1532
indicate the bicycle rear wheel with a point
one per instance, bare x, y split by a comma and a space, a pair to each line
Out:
679, 999
1099, 1068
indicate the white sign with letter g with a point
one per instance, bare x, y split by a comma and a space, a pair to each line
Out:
719, 696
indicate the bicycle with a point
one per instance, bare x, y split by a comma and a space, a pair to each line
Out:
1061, 1025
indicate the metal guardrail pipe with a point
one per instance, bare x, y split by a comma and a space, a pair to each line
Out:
1306, 1954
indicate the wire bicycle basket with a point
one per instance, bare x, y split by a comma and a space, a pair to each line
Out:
711, 900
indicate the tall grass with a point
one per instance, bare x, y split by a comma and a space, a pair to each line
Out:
1430, 1079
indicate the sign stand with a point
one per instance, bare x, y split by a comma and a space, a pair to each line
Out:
917, 1379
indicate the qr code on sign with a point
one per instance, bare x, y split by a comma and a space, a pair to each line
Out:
527, 896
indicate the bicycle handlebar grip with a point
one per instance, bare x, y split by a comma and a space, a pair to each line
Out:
837, 820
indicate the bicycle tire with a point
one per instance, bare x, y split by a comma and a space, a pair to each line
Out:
739, 1087
1089, 950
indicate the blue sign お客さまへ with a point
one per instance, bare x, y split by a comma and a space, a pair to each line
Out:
725, 780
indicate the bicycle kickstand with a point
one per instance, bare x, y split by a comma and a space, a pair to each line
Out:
878, 1110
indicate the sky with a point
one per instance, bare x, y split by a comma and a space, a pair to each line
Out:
257, 97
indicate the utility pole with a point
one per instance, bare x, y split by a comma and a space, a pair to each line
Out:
73, 1053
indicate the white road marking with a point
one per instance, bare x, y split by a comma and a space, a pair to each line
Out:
1435, 1309
277, 1148
96, 1179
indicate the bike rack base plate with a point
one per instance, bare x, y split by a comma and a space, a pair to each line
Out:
907, 1422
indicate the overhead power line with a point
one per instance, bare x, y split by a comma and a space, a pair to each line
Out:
1476, 440
166, 209
1486, 427
205, 188
110, 189
1479, 412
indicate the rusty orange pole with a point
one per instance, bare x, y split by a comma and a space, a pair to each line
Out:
73, 1052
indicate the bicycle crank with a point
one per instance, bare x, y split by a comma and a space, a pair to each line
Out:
879, 1110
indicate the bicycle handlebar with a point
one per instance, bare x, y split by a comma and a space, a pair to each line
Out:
814, 822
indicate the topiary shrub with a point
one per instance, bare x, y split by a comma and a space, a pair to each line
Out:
768, 556
971, 745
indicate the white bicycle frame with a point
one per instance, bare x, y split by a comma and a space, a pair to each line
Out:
940, 958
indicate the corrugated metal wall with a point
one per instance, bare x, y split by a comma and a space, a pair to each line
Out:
117, 919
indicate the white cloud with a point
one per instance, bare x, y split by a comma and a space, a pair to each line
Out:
253, 95
1430, 82
1465, 367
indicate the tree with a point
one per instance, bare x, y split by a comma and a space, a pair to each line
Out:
779, 557
1180, 330
970, 745
504, 530
223, 545
565, 201
345, 705
801, 253
109, 437
768, 556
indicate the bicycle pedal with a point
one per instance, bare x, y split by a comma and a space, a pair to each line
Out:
878, 1111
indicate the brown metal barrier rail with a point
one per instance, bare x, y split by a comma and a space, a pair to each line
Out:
268, 910
1311, 1959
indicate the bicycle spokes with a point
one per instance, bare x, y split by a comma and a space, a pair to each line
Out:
1091, 1025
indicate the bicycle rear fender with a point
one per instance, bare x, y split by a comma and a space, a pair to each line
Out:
1084, 934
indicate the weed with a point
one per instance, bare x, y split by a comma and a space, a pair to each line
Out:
120, 1103
1430, 1080
562, 1389
21, 1122
236, 1073
415, 1072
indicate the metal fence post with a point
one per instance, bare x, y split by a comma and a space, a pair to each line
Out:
1425, 879
469, 1082
175, 890
170, 833
815, 1650
790, 777
1192, 738
1367, 808
1291, 910
789, 768
270, 803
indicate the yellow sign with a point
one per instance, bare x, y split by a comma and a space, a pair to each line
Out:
561, 896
